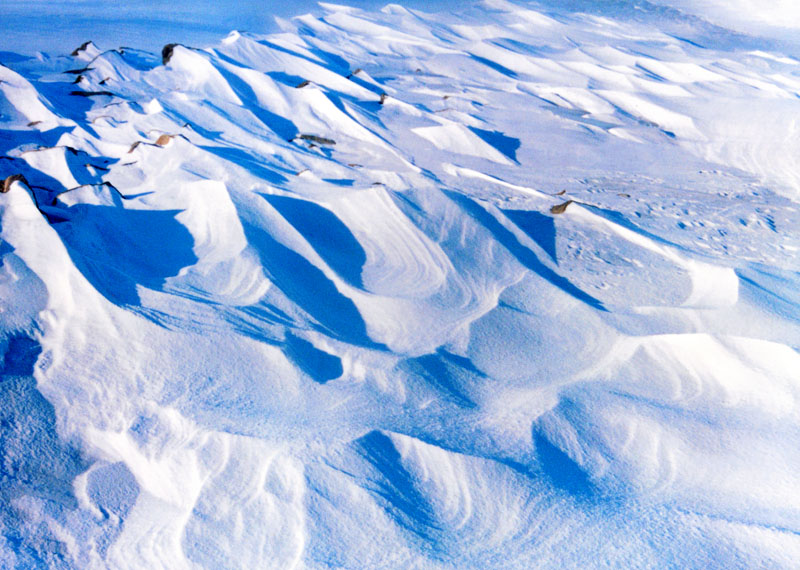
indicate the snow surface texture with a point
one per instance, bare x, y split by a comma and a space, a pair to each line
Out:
301, 300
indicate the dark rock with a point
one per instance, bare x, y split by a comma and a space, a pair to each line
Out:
560, 208
67, 148
81, 48
10, 180
302, 84
91, 93
102, 184
78, 71
316, 139
161, 141
166, 53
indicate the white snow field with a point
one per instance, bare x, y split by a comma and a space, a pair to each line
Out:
514, 287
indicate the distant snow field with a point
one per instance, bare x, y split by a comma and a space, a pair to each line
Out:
513, 286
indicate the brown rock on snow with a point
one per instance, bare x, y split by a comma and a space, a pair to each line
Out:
560, 208
80, 48
10, 180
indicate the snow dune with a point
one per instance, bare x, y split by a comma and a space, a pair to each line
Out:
513, 288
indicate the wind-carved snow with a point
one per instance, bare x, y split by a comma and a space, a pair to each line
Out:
516, 288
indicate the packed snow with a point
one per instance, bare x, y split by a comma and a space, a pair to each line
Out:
514, 287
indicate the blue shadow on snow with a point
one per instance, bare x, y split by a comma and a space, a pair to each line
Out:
326, 233
309, 288
494, 65
117, 249
448, 373
524, 255
318, 364
541, 228
33, 459
560, 469
396, 485
508, 146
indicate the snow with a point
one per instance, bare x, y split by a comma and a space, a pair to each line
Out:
510, 287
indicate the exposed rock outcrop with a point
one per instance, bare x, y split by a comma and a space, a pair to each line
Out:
77, 51
10, 180
317, 139
560, 208
166, 53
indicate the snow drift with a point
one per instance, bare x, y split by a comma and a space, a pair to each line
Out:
395, 290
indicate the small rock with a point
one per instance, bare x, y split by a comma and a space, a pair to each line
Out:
91, 93
166, 53
317, 139
560, 208
81, 48
10, 180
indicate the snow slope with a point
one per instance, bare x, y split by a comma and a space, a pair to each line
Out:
511, 288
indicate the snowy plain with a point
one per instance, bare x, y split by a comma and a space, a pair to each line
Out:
516, 286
